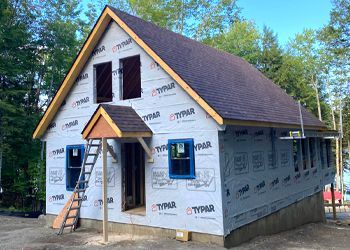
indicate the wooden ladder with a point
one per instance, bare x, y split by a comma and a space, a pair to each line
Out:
71, 217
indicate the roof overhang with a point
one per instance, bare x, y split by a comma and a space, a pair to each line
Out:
270, 125
118, 132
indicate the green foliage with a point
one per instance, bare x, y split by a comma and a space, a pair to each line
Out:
242, 40
198, 19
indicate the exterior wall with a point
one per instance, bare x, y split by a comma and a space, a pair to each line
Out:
253, 187
161, 101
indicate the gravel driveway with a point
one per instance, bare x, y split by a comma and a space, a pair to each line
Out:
23, 233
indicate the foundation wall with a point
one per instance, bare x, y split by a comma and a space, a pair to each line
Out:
308, 210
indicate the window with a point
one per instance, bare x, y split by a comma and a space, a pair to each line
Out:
322, 154
312, 145
329, 152
181, 159
131, 80
103, 82
304, 152
296, 154
74, 160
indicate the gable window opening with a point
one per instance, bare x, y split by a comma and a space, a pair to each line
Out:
131, 78
181, 159
103, 82
74, 160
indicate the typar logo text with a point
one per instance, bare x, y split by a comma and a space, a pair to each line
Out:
99, 202
69, 125
200, 209
164, 208
181, 115
56, 152
163, 89
98, 51
121, 45
82, 77
160, 149
79, 103
151, 116
57, 197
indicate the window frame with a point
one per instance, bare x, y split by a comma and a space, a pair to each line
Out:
192, 174
68, 148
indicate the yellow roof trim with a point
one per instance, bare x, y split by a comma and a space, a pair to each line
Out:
269, 124
84, 54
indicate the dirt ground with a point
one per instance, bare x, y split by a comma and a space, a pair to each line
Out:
23, 233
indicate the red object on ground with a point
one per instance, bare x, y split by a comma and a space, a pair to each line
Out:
327, 196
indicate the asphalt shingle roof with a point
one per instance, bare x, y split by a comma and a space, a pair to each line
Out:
231, 86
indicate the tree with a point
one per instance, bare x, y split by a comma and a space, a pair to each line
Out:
198, 19
271, 54
241, 40
305, 46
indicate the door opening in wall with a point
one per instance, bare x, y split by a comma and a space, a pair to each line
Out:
133, 178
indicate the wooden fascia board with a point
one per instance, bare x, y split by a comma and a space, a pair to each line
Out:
167, 68
73, 73
91, 124
270, 124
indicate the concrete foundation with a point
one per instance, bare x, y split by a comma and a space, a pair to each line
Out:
310, 209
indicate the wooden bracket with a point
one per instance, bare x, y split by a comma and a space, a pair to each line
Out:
147, 149
113, 154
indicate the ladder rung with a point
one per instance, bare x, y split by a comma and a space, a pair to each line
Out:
82, 181
71, 217
93, 154
81, 190
87, 172
94, 145
69, 225
77, 199
74, 208
89, 164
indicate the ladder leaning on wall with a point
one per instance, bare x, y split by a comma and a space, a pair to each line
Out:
71, 217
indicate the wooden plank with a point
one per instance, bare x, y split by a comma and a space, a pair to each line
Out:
104, 190
60, 217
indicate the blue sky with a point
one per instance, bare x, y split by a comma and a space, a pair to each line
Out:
287, 17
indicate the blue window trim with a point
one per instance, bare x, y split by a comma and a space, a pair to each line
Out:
192, 163
69, 147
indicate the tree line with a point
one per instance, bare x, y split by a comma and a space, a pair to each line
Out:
39, 41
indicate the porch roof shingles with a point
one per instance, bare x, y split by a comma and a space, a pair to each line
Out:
126, 118
230, 85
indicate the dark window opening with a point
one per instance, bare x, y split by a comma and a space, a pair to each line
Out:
103, 80
322, 155
181, 159
131, 81
304, 152
329, 152
74, 159
312, 152
296, 154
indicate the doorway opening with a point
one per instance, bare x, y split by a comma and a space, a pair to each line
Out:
134, 178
